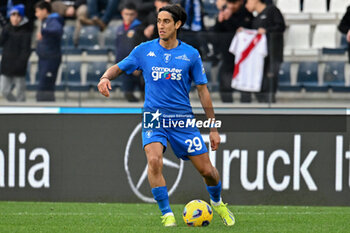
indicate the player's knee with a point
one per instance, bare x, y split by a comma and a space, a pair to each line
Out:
207, 172
152, 149
155, 163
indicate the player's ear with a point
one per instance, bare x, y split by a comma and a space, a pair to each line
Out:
178, 24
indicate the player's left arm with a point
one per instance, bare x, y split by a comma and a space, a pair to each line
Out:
207, 105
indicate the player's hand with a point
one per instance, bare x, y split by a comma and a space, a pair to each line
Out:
214, 140
104, 86
348, 36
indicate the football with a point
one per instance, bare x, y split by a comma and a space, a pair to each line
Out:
197, 213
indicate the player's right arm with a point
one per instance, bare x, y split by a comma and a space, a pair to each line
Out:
128, 65
104, 86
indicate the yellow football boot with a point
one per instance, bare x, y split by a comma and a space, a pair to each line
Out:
225, 214
168, 220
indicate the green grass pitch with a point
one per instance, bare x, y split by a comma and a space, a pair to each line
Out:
122, 218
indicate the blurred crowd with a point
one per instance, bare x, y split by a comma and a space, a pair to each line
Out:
257, 17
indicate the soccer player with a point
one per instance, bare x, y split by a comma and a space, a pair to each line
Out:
169, 66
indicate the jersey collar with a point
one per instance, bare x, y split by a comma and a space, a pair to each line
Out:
179, 44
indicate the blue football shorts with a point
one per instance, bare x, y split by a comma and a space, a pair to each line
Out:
184, 141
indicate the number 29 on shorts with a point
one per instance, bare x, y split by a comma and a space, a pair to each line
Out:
194, 144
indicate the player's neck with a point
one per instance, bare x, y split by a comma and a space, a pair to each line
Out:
170, 43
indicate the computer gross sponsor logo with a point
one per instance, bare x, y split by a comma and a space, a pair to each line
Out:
166, 73
135, 181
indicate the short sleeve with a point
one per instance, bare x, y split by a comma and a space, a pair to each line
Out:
197, 70
131, 63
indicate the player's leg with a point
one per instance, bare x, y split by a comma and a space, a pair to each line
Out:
154, 153
212, 179
209, 173
189, 144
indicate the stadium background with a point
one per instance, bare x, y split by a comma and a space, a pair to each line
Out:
315, 70
67, 155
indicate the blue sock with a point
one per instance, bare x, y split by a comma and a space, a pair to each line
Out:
161, 196
215, 192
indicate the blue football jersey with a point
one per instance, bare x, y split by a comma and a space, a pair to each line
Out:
168, 74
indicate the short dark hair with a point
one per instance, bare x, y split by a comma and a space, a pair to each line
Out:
44, 5
177, 12
129, 6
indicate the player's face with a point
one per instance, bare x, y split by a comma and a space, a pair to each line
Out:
166, 26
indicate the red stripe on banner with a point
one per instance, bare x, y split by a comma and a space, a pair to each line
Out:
246, 53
